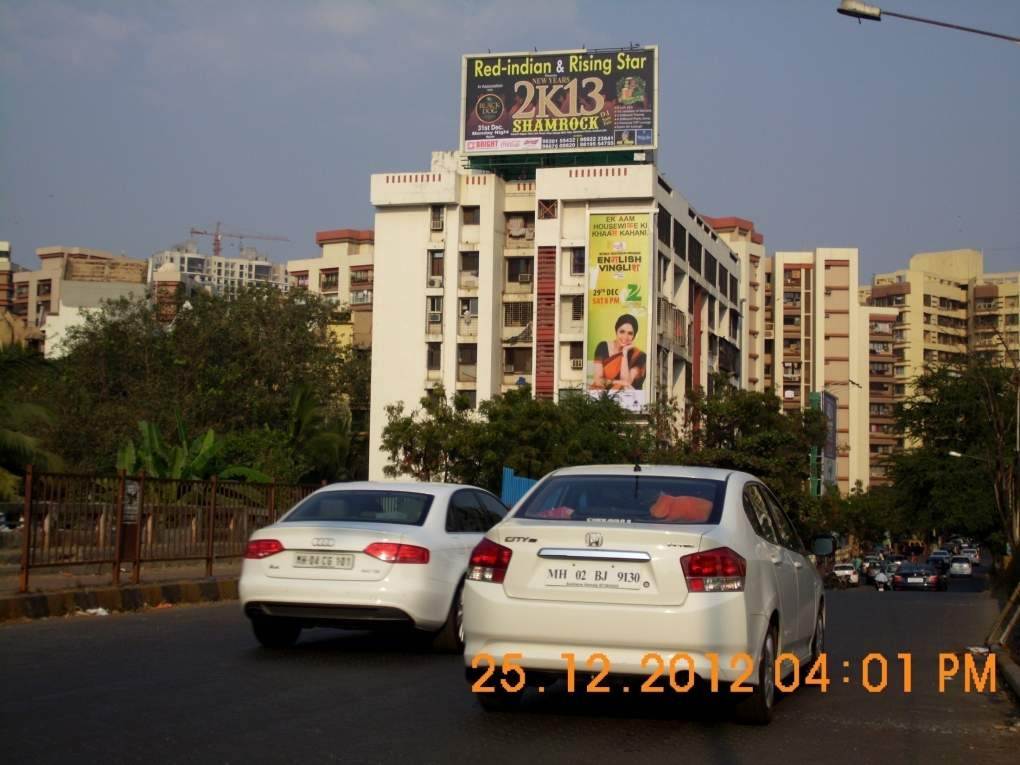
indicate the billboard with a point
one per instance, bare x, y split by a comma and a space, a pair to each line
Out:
562, 101
619, 307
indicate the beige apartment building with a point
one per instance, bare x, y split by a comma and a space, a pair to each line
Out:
814, 340
749, 245
70, 280
947, 308
344, 274
219, 274
483, 284
13, 330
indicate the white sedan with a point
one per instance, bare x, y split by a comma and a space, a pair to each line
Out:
636, 569
366, 555
848, 572
960, 565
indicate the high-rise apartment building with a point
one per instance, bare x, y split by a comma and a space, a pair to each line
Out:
485, 282
749, 246
13, 330
815, 341
344, 274
948, 308
883, 439
221, 275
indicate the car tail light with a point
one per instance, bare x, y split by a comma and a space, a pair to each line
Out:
391, 552
897, 578
933, 579
489, 562
263, 548
718, 570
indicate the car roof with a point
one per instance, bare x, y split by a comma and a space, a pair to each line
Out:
671, 471
436, 489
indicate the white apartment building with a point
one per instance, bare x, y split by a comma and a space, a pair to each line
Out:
481, 284
219, 274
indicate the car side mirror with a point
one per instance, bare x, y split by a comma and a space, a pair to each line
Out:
823, 546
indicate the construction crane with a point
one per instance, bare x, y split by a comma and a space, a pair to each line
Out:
218, 235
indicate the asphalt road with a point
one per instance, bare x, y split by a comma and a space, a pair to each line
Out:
191, 685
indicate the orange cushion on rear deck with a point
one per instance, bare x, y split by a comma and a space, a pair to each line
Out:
690, 509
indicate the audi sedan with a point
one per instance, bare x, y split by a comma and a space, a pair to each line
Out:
911, 577
629, 561
366, 556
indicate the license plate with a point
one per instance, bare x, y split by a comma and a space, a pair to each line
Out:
915, 580
595, 576
323, 560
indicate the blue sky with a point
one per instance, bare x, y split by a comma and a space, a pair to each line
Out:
123, 124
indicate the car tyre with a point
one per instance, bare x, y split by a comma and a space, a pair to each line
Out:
450, 639
275, 633
756, 708
500, 700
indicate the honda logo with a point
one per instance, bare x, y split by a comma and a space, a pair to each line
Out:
323, 542
592, 539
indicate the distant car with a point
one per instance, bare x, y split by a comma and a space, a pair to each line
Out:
972, 554
938, 562
913, 577
941, 554
848, 572
365, 556
960, 566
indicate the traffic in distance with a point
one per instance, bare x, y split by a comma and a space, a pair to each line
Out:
625, 578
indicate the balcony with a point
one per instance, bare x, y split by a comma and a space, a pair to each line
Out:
434, 323
520, 284
468, 280
467, 326
467, 373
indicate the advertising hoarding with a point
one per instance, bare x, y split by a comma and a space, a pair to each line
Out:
618, 309
560, 101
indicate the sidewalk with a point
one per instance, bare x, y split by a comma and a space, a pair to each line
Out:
59, 592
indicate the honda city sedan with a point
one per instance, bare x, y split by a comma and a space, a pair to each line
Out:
619, 568
366, 556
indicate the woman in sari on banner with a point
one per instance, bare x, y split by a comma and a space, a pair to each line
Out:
619, 364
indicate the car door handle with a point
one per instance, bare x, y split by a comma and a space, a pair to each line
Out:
778, 561
798, 564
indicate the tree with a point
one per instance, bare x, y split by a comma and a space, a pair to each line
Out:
230, 365
967, 408
20, 419
748, 430
429, 443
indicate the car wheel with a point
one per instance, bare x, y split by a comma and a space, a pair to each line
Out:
450, 639
275, 633
756, 708
500, 700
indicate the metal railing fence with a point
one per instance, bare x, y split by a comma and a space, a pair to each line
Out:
73, 520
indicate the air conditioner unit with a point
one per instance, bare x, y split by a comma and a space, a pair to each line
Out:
577, 363
435, 317
435, 281
524, 278
437, 225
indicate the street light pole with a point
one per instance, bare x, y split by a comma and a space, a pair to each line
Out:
856, 9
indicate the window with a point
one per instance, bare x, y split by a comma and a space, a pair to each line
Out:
467, 354
465, 514
469, 263
517, 361
435, 268
492, 507
694, 253
434, 360
757, 513
472, 216
679, 240
577, 308
788, 536
468, 307
733, 288
576, 351
374, 506
664, 226
519, 270
517, 314
43, 288
547, 209
577, 261
436, 215
435, 304
329, 281
470, 398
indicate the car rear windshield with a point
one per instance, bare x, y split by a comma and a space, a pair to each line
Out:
960, 559
626, 499
366, 505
